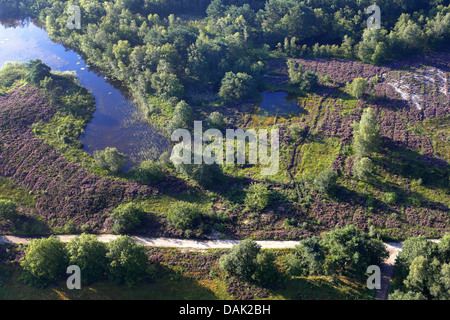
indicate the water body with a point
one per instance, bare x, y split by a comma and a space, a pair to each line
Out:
115, 122
279, 103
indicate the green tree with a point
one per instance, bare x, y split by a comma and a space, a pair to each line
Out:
216, 120
184, 215
390, 198
45, 260
294, 71
110, 159
312, 255
149, 172
8, 210
37, 71
325, 182
127, 261
363, 168
126, 217
257, 197
182, 116
89, 254
412, 248
266, 272
237, 87
241, 261
165, 82
399, 295
348, 249
444, 248
206, 175
366, 134
357, 87
309, 81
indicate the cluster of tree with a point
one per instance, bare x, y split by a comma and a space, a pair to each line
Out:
121, 260
341, 251
305, 81
366, 140
157, 54
423, 270
248, 262
405, 29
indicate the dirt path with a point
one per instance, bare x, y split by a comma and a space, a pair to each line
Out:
168, 242
387, 269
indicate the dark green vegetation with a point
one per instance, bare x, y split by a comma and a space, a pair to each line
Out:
357, 154
122, 261
244, 272
363, 151
423, 270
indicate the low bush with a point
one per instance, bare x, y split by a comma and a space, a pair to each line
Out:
126, 217
257, 197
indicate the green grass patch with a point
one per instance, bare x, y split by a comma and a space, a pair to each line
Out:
316, 156
10, 190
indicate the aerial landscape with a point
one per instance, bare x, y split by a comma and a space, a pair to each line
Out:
224, 150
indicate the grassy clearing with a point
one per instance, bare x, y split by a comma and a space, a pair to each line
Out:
317, 156
9, 190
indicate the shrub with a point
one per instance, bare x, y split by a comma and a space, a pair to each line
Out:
45, 261
257, 197
357, 87
110, 159
325, 182
348, 248
309, 81
37, 71
266, 272
241, 261
89, 254
8, 209
182, 116
390, 198
149, 172
216, 120
236, 87
127, 261
126, 217
184, 215
206, 175
11, 72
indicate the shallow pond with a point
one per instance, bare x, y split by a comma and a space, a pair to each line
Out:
279, 103
115, 122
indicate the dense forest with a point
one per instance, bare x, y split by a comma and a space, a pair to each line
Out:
164, 57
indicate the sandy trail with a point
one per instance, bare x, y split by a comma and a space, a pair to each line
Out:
167, 242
